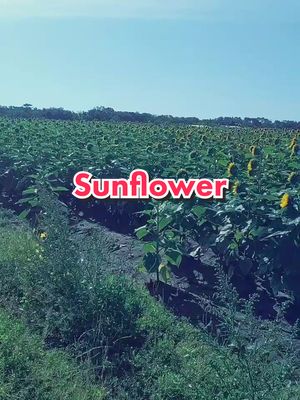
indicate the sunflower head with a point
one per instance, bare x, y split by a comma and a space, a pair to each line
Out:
292, 177
182, 174
43, 235
251, 166
293, 142
254, 150
89, 146
232, 169
295, 149
285, 200
236, 187
193, 155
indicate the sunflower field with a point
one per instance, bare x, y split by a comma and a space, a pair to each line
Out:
255, 231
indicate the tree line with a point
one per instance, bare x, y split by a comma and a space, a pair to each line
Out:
27, 111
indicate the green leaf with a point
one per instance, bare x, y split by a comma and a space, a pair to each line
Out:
34, 203
141, 232
24, 214
238, 235
259, 232
151, 262
150, 247
169, 234
174, 257
25, 200
164, 222
275, 234
164, 272
60, 189
199, 211
30, 191
141, 268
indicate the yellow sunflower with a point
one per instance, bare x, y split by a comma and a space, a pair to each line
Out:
231, 170
285, 200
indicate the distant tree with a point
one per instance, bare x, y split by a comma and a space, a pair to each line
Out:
109, 114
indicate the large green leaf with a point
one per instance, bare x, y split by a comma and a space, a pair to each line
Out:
141, 232
174, 257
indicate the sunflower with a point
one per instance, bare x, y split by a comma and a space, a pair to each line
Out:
293, 142
182, 174
43, 235
251, 166
254, 150
295, 149
193, 155
231, 170
235, 187
285, 200
292, 177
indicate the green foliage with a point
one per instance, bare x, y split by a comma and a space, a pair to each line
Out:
250, 232
137, 348
163, 246
20, 252
28, 372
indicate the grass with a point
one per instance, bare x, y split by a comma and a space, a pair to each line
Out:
28, 371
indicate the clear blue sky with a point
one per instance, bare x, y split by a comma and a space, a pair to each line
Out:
202, 58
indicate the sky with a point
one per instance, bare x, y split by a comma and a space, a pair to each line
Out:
203, 58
